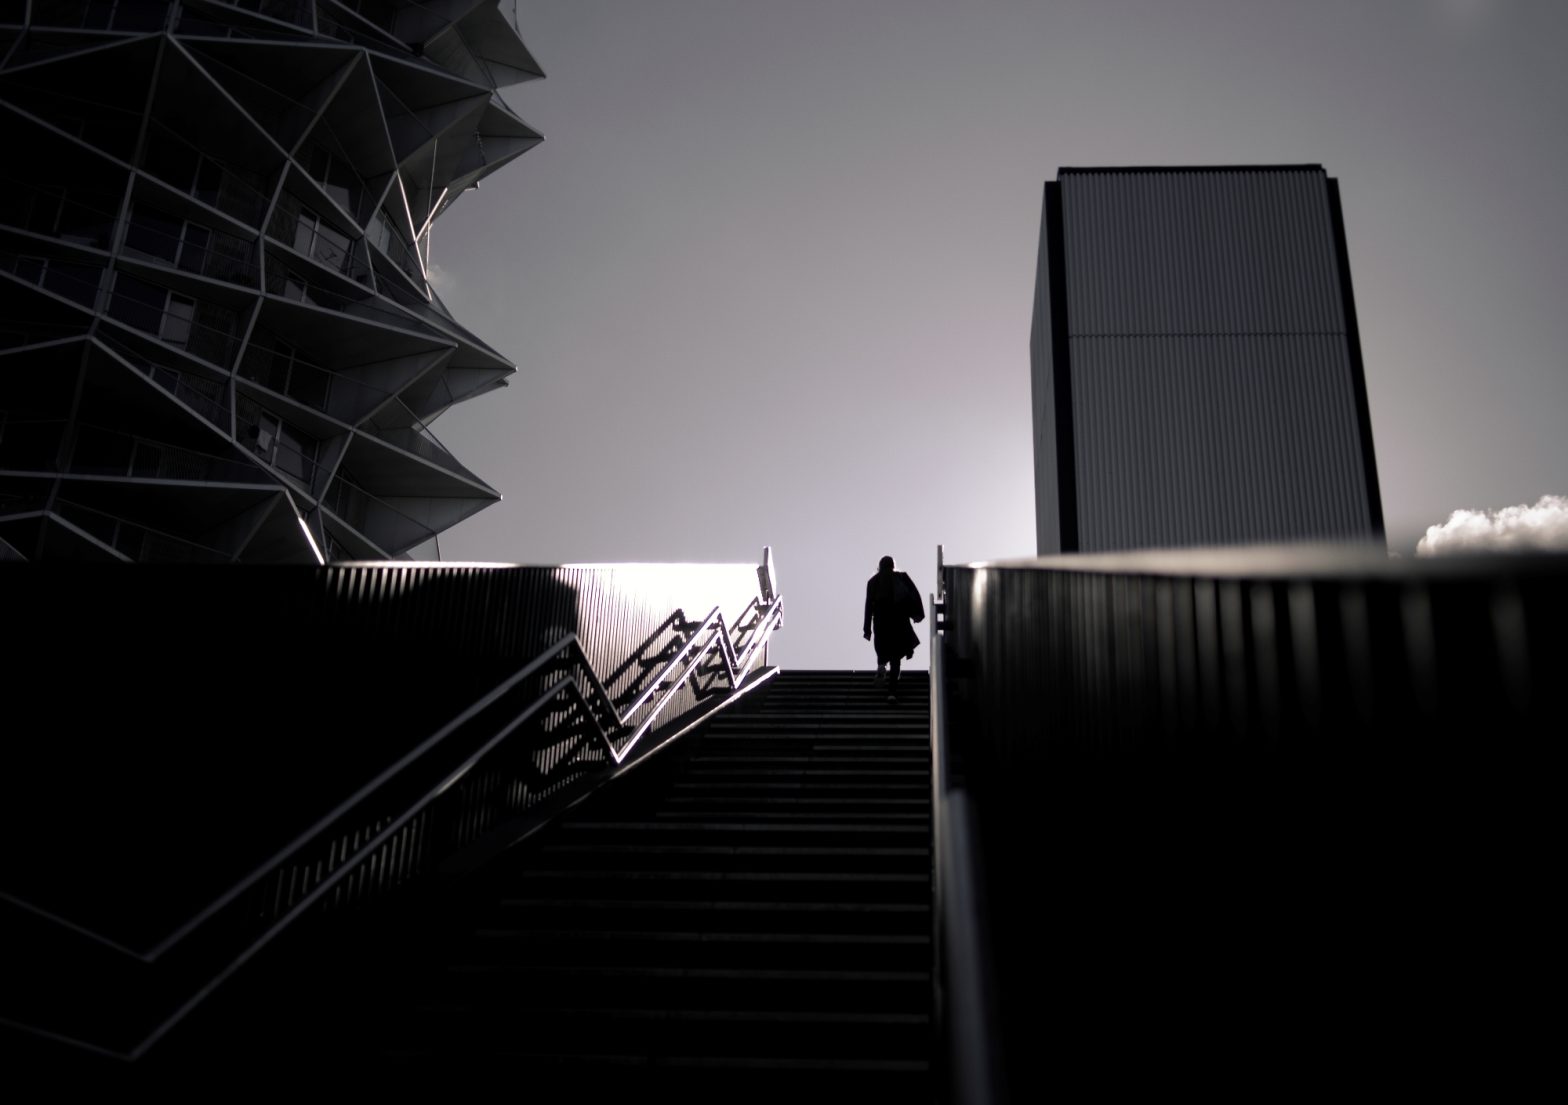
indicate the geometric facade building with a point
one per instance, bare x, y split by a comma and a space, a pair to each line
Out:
1196, 364
218, 339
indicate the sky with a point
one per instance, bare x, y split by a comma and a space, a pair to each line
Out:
768, 280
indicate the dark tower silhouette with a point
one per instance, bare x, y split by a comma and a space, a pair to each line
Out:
1197, 369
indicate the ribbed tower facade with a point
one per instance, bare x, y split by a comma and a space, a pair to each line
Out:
218, 338
1196, 362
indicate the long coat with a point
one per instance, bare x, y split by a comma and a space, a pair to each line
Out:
891, 600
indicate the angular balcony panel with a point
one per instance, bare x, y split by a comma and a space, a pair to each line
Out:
194, 385
166, 229
396, 524
451, 386
482, 45
192, 107
344, 542
389, 469
40, 380
347, 150
282, 87
354, 366
418, 439
49, 286
46, 536
82, 95
192, 522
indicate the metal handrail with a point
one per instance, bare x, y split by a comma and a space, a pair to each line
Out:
103, 304
568, 648
963, 987
735, 668
223, 469
66, 507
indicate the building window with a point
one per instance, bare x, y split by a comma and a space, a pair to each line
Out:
138, 303
321, 240
177, 320
194, 240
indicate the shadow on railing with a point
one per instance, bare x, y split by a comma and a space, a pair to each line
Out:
964, 1014
536, 742
1221, 790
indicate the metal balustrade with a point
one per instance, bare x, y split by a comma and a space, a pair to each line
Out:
559, 725
1284, 781
33, 445
133, 540
964, 1016
84, 284
93, 15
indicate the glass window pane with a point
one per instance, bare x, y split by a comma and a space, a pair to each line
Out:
331, 246
153, 233
193, 252
137, 303
177, 321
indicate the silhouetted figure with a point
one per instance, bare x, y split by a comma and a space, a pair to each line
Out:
892, 602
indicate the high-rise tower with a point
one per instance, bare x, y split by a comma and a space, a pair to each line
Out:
218, 340
1196, 364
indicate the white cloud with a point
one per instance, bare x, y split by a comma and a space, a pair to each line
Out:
1514, 528
440, 280
1465, 13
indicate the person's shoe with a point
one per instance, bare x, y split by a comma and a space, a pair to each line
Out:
892, 697
880, 678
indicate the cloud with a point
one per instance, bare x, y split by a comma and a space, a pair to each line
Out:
1464, 13
1514, 528
440, 280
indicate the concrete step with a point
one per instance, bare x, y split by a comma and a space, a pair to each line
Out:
711, 803
808, 788
817, 832
705, 948
893, 918
721, 1035
699, 886
782, 816
499, 987
721, 858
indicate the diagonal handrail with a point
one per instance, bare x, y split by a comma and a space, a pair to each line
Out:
572, 686
569, 644
718, 635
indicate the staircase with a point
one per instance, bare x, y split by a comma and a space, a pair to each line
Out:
749, 917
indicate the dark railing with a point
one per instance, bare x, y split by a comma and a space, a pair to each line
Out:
84, 284
966, 1026
301, 228
136, 541
296, 459
1221, 794
129, 950
423, 444
94, 15
393, 530
198, 249
290, 283
80, 283
207, 397
33, 445
297, 12
193, 172
83, 216
343, 396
